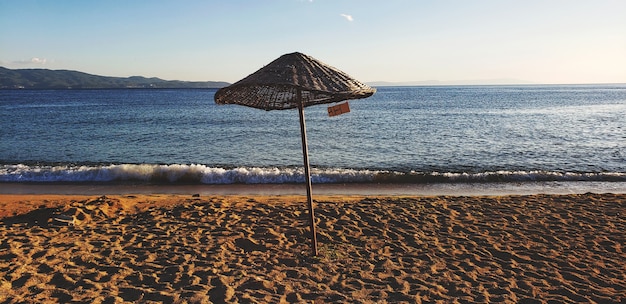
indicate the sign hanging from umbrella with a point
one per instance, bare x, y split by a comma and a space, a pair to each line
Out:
293, 81
339, 109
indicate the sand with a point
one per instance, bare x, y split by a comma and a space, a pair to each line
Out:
186, 249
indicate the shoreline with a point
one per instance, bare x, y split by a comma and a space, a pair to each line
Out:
377, 189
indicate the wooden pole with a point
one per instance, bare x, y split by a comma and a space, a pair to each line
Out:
307, 175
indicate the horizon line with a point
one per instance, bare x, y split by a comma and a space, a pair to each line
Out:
383, 83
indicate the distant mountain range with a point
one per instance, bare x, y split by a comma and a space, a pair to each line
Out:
65, 79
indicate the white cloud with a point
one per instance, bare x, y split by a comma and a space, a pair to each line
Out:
348, 17
34, 60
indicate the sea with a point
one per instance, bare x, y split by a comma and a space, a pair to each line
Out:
563, 135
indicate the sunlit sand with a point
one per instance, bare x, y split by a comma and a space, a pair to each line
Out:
195, 249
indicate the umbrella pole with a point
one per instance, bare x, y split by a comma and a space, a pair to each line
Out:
307, 175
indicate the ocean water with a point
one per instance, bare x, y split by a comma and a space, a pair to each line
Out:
442, 134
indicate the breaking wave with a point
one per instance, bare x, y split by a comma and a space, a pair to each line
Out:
202, 174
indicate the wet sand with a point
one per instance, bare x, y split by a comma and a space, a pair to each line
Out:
369, 189
414, 249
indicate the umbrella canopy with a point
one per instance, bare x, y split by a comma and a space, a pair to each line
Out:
292, 81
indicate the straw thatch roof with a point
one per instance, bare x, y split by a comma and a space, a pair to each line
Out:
291, 79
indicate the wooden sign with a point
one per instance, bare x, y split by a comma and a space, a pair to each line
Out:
339, 109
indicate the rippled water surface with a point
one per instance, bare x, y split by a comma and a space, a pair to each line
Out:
475, 130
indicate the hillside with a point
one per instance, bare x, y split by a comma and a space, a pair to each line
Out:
65, 79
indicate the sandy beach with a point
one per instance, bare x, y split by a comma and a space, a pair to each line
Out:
254, 249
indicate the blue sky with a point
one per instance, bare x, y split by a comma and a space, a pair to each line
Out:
541, 41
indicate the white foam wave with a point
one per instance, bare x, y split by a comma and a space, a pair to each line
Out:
505, 176
202, 174
177, 173
535, 175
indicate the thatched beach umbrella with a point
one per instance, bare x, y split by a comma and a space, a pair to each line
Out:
293, 81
